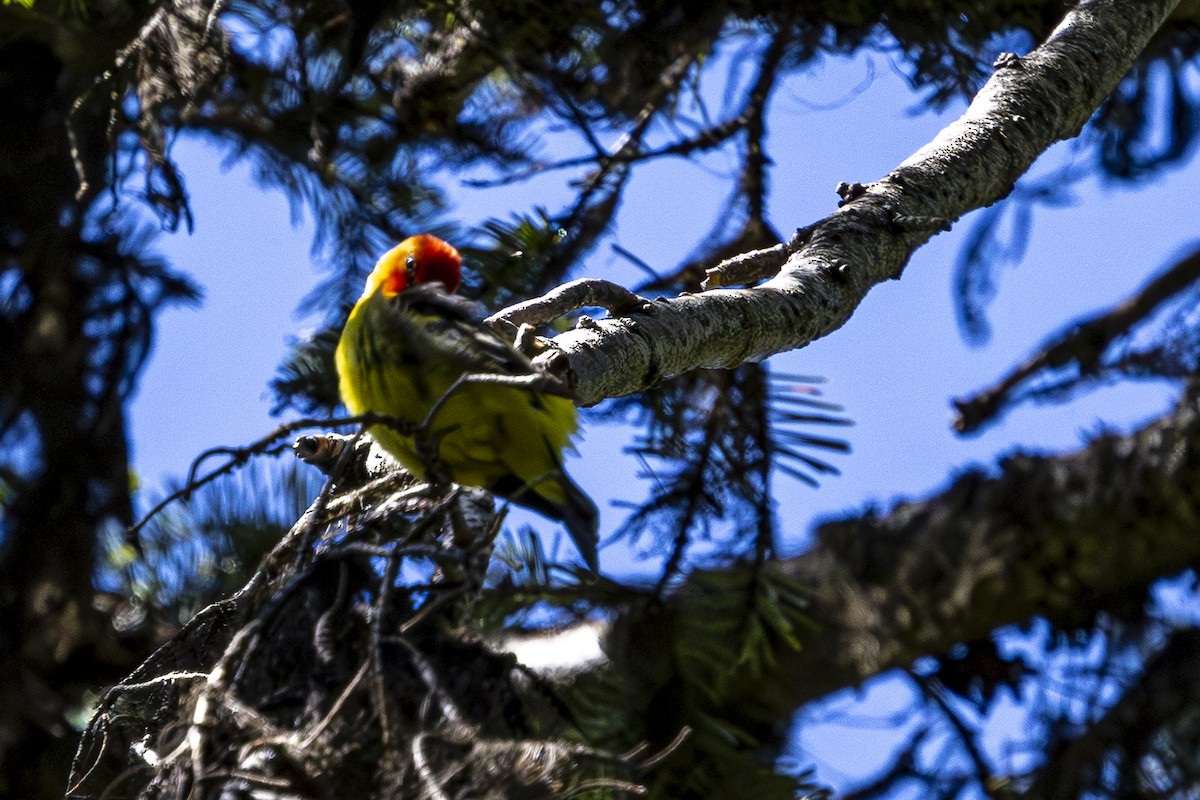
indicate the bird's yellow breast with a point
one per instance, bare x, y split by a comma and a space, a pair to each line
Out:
486, 433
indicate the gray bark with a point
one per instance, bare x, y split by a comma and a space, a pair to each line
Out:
1029, 104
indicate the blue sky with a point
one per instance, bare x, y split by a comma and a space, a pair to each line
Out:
895, 365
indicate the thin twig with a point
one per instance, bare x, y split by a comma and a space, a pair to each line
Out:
671, 746
753, 183
983, 772
424, 771
193, 741
324, 722
450, 711
240, 455
378, 613
424, 611
628, 787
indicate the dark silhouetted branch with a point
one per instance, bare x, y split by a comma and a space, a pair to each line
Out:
1083, 344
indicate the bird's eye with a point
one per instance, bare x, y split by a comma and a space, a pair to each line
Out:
410, 269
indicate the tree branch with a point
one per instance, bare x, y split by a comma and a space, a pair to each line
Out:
1050, 537
1047, 537
1084, 343
1028, 104
571, 296
1163, 693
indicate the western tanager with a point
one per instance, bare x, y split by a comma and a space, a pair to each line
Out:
406, 342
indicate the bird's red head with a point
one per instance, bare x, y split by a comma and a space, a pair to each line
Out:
418, 259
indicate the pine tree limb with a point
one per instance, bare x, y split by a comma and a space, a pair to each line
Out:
1030, 103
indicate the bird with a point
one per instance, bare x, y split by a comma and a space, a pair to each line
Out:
407, 341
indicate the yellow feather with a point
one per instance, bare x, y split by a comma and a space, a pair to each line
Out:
501, 438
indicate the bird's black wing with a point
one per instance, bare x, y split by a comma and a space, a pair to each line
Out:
431, 323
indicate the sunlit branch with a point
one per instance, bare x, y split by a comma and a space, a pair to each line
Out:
756, 264
571, 296
1027, 105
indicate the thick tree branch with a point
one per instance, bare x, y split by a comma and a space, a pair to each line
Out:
1060, 537
1049, 537
1028, 104
1057, 537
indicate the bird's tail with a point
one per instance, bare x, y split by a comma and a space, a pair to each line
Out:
582, 520
577, 511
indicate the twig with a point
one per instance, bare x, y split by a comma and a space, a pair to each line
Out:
450, 712
571, 296
240, 455
707, 139
432, 552
193, 741
122, 57
983, 772
657, 758
694, 475
710, 138
390, 571
324, 722
346, 503
753, 182
755, 265
628, 787
600, 191
638, 262
424, 772
424, 611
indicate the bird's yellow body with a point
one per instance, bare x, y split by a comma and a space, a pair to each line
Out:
405, 344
